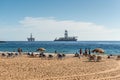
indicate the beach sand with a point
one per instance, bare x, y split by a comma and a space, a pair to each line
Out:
69, 68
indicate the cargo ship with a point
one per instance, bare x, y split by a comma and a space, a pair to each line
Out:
66, 37
31, 38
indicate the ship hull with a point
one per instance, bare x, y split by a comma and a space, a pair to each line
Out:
65, 40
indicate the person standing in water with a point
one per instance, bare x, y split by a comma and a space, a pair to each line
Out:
55, 52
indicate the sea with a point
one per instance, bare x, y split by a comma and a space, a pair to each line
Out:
110, 47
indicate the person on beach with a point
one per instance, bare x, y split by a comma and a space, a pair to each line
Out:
86, 51
89, 52
77, 55
55, 52
19, 50
80, 51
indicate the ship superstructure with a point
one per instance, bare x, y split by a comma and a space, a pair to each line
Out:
31, 38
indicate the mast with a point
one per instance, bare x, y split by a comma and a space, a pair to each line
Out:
66, 34
31, 35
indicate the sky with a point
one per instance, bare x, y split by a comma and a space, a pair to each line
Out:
89, 20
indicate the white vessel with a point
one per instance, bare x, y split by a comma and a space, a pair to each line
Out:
66, 37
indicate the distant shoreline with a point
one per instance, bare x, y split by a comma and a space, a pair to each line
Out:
2, 41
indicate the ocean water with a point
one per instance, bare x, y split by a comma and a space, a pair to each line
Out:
110, 47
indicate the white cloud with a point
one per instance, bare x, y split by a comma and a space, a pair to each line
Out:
50, 28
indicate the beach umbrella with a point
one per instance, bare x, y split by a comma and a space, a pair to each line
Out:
98, 50
41, 49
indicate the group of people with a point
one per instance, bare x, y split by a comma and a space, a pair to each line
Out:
11, 54
85, 52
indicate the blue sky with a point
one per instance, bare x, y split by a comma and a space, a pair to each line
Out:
100, 13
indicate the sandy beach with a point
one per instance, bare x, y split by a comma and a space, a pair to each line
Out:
69, 68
